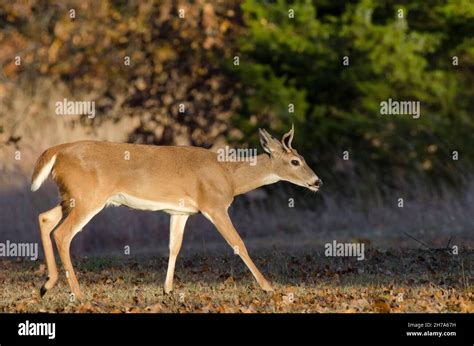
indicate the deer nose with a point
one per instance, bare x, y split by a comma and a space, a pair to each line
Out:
318, 183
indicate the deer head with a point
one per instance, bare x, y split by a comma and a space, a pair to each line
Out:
287, 164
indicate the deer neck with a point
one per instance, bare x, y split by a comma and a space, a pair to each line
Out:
247, 177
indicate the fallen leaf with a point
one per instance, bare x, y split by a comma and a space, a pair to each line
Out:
381, 305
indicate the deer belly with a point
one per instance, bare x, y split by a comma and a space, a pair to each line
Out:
181, 207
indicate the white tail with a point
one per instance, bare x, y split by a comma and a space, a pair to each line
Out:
181, 181
43, 174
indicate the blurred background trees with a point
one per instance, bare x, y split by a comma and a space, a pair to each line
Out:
403, 51
140, 60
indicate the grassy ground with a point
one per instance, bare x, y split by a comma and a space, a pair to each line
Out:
411, 280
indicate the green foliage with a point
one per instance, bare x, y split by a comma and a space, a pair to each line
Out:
400, 51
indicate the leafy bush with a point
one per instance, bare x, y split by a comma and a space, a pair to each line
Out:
409, 57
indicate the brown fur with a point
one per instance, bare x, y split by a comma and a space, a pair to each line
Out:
88, 173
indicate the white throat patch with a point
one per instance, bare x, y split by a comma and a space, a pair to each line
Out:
271, 179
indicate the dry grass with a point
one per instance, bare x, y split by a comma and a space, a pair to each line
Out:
387, 281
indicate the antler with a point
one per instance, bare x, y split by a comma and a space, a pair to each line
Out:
289, 135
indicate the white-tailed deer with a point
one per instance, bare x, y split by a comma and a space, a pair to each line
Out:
178, 180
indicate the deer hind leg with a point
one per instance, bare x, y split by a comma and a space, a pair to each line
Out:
78, 217
225, 227
177, 224
47, 222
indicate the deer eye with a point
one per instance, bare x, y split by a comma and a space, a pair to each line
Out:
295, 162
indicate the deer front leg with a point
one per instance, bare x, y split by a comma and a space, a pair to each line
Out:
225, 227
177, 224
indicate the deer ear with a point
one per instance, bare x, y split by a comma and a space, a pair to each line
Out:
269, 143
288, 138
264, 141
